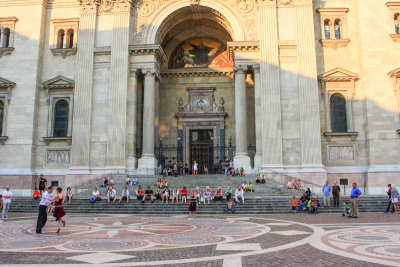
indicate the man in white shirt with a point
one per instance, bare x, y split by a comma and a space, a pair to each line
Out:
125, 195
111, 195
44, 203
239, 197
7, 195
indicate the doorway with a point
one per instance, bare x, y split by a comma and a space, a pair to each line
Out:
201, 149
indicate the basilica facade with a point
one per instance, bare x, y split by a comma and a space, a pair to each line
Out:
304, 88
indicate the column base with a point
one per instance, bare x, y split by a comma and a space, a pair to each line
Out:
147, 165
131, 162
240, 161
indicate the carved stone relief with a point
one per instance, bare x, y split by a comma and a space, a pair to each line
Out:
58, 157
341, 153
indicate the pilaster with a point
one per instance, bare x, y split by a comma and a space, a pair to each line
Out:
116, 151
258, 116
308, 86
83, 86
132, 117
271, 123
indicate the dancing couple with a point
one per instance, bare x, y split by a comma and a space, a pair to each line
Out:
59, 212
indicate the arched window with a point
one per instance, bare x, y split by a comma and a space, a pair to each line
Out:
396, 23
337, 29
338, 113
60, 40
1, 117
70, 38
327, 30
61, 111
7, 34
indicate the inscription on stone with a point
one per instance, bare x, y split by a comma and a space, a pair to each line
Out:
339, 153
59, 156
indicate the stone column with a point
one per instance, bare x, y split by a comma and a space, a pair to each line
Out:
132, 119
80, 155
258, 117
271, 123
308, 86
117, 105
242, 158
148, 162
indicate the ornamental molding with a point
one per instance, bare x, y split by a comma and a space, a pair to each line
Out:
197, 73
338, 75
334, 43
155, 50
6, 51
247, 46
395, 76
63, 52
393, 5
6, 87
102, 7
59, 82
245, 6
395, 38
285, 3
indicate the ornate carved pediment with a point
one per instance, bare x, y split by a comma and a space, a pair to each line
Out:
4, 83
59, 82
338, 75
201, 102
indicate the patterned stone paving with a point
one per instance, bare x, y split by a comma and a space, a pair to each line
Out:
273, 240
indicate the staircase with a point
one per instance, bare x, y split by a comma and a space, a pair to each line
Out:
270, 197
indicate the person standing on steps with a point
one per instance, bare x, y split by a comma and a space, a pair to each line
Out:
326, 191
6, 198
195, 168
355, 193
335, 194
44, 203
42, 183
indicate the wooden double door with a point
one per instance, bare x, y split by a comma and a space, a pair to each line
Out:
202, 149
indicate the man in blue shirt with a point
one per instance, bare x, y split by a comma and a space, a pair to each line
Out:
355, 193
326, 191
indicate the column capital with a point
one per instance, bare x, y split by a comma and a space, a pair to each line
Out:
256, 68
133, 72
240, 69
122, 6
149, 72
89, 6
268, 3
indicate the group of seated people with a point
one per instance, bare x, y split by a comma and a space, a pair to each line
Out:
247, 187
296, 184
163, 194
237, 172
68, 195
308, 203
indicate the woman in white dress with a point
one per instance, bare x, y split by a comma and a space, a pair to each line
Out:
195, 168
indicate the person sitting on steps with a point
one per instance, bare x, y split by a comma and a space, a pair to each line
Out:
184, 194
263, 179
165, 195
148, 194
258, 179
124, 195
175, 195
139, 193
207, 195
241, 173
158, 194
111, 194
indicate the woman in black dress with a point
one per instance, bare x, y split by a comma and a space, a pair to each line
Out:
193, 203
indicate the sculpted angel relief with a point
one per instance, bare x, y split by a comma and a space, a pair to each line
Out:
200, 53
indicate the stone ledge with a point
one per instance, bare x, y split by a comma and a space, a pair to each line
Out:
395, 37
3, 140
6, 51
398, 131
352, 135
334, 43
64, 52
48, 140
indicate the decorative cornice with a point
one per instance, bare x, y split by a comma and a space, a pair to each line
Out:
352, 135
59, 82
196, 73
6, 84
334, 43
155, 50
67, 139
6, 51
63, 52
394, 73
333, 10
338, 75
248, 46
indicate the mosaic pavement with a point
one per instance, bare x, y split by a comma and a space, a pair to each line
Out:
273, 240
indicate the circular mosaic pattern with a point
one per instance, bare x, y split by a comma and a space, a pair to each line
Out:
126, 234
373, 242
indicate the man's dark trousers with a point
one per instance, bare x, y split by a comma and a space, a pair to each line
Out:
388, 206
42, 218
335, 200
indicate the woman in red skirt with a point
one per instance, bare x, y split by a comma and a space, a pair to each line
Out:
59, 211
